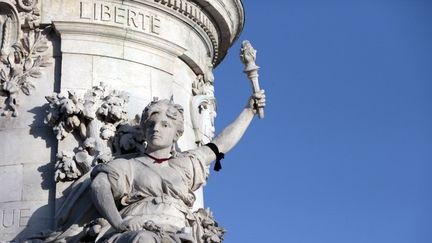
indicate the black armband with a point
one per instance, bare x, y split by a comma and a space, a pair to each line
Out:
219, 156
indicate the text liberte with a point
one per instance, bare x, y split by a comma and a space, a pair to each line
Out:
120, 14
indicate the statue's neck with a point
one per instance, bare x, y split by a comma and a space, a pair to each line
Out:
159, 153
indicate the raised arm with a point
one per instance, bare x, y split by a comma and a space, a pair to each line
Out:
232, 134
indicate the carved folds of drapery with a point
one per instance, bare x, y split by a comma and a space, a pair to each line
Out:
23, 51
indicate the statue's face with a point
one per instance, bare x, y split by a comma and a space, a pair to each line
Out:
160, 131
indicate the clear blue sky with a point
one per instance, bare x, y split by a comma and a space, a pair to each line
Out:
344, 154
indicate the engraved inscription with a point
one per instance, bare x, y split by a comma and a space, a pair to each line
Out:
139, 19
14, 218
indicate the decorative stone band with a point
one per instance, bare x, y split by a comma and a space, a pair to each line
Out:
197, 15
176, 22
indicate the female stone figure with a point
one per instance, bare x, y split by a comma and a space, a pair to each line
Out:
149, 198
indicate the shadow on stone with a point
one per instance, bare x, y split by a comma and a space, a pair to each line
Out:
47, 174
40, 221
38, 129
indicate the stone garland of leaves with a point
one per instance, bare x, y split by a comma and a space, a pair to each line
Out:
100, 121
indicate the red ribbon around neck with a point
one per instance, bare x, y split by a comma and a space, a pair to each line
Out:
157, 160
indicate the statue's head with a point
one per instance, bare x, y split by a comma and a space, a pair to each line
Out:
162, 122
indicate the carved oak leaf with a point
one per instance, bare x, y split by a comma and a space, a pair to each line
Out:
28, 63
25, 90
26, 44
3, 75
35, 73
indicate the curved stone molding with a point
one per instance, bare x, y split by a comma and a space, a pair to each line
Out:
228, 16
9, 26
223, 21
197, 15
23, 51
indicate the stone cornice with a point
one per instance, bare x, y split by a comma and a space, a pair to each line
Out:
228, 16
218, 23
196, 14
223, 21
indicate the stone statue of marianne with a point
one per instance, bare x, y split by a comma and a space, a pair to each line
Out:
149, 198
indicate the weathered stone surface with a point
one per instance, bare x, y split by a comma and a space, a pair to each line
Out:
12, 151
37, 183
147, 48
78, 77
12, 183
19, 220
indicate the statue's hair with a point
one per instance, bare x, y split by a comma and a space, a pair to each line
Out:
172, 110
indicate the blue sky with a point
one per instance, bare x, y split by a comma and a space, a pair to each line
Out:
344, 154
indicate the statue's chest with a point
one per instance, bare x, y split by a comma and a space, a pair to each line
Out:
158, 179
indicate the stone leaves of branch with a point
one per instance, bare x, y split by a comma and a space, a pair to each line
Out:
96, 118
22, 54
25, 60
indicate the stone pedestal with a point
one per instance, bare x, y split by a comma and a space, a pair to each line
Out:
147, 48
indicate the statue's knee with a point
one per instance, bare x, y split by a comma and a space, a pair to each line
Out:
146, 238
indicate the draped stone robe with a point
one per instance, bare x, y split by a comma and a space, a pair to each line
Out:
160, 193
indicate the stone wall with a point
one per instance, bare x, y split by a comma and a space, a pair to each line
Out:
147, 48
